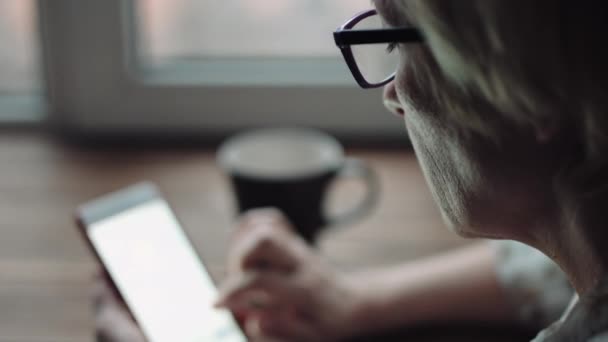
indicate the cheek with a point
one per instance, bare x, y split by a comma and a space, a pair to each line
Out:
445, 159
414, 82
443, 164
481, 192
482, 189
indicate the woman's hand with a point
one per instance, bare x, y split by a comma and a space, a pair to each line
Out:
112, 320
281, 288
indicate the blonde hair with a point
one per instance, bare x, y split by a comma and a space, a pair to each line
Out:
541, 63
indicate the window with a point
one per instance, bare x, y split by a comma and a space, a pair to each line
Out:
204, 67
252, 28
235, 42
20, 85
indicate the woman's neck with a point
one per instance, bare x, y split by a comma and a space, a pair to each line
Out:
579, 254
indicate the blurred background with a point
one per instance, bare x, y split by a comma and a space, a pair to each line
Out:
96, 95
183, 68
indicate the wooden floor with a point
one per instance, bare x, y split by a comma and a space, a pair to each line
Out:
46, 271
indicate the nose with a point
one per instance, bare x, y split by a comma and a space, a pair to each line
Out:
391, 100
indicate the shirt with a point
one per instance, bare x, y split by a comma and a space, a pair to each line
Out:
540, 291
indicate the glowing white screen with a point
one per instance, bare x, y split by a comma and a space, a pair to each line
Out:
160, 276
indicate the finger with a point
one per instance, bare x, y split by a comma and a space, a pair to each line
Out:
266, 216
114, 324
254, 333
263, 248
252, 328
269, 252
244, 290
103, 295
284, 326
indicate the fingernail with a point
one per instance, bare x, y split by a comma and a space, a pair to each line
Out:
219, 304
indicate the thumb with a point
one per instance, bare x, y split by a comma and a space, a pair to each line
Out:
113, 324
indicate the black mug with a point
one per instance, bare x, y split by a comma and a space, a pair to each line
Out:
291, 169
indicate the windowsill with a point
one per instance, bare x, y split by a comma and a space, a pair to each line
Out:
21, 109
249, 72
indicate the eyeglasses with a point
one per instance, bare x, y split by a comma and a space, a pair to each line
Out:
368, 49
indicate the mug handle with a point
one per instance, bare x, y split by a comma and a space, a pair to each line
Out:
356, 168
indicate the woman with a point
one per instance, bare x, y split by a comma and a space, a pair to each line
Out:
504, 103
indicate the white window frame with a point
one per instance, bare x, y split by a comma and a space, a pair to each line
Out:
22, 110
25, 109
96, 87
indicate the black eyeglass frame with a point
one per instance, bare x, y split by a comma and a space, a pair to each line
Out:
345, 36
